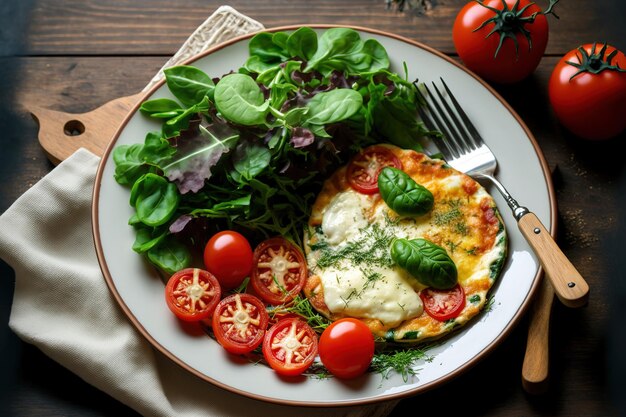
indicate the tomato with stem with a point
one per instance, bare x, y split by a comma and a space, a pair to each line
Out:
239, 323
363, 170
290, 346
587, 90
278, 271
502, 40
192, 294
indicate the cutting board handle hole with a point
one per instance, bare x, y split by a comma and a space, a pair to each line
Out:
74, 128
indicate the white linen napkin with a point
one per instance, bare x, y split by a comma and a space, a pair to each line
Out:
63, 306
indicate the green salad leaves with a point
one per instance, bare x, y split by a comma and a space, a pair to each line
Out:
249, 150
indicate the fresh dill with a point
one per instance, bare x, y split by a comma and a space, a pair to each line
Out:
303, 308
400, 361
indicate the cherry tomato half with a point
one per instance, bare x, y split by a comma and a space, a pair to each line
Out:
228, 256
346, 348
589, 104
239, 323
192, 294
443, 305
477, 50
290, 346
278, 271
363, 169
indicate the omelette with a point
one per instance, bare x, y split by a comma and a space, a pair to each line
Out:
352, 233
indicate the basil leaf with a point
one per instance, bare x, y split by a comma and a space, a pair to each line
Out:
426, 262
240, 100
402, 194
189, 84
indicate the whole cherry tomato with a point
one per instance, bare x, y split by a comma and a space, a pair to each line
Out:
346, 348
501, 40
228, 256
588, 91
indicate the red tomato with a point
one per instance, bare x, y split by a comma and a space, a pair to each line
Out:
346, 348
588, 91
239, 323
228, 256
192, 294
443, 305
523, 38
278, 271
290, 346
363, 169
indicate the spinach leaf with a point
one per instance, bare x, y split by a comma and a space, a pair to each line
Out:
189, 84
240, 99
342, 49
129, 165
155, 199
302, 43
265, 53
170, 255
426, 262
333, 106
148, 237
250, 159
402, 194
160, 108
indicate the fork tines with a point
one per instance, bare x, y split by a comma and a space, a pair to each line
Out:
445, 114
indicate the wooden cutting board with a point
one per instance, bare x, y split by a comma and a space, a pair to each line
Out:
61, 134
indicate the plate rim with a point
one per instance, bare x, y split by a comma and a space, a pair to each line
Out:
369, 400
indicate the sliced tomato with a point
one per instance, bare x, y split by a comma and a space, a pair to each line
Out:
443, 305
278, 271
363, 169
290, 346
192, 294
239, 323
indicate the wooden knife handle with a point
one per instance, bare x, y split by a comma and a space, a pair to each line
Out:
569, 285
535, 369
61, 134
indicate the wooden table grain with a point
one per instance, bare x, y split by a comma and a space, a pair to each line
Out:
75, 55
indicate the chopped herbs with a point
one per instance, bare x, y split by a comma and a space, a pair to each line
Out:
372, 249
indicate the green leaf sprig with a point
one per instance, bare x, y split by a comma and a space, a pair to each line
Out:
595, 62
508, 22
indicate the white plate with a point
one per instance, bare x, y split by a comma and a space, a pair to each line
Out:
139, 290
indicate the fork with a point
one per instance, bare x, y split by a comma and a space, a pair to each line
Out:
464, 149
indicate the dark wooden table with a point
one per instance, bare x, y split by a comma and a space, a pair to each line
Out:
75, 55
